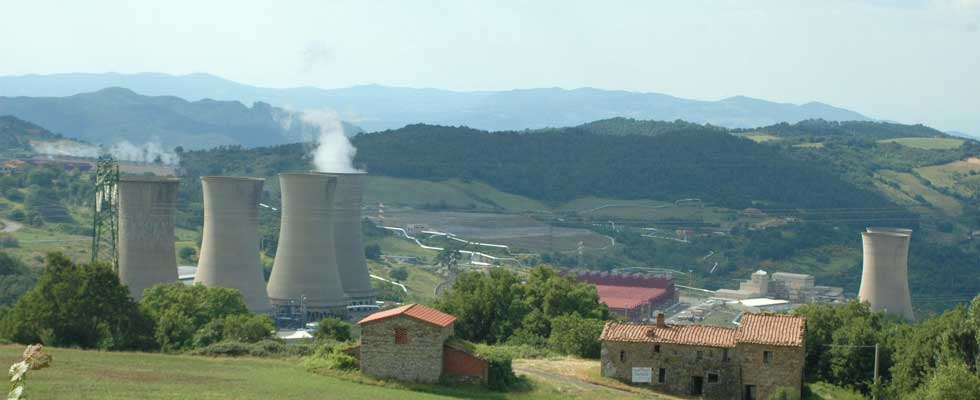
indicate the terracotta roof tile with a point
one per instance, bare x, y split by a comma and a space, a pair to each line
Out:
772, 329
417, 311
695, 335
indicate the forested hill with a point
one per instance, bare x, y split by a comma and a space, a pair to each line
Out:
564, 164
115, 114
862, 129
806, 128
16, 136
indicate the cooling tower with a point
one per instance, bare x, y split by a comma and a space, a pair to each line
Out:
349, 249
305, 265
884, 280
146, 232
230, 247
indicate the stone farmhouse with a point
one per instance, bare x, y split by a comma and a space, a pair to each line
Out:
749, 362
412, 343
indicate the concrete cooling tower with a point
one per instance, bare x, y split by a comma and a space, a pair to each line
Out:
305, 266
349, 249
884, 280
230, 246
146, 232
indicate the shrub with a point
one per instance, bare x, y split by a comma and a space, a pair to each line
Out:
332, 329
785, 393
330, 356
228, 349
500, 374
372, 252
399, 274
248, 328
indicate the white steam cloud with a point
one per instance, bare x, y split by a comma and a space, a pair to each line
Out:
149, 152
332, 150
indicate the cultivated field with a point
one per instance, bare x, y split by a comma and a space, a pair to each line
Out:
911, 186
927, 143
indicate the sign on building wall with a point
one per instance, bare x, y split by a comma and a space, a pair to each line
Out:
642, 375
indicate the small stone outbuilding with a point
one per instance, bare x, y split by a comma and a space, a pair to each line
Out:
746, 363
409, 343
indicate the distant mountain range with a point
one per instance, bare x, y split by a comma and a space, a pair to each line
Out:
375, 108
115, 114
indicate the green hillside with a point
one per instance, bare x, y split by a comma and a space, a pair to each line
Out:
16, 136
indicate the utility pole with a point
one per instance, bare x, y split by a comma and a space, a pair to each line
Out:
876, 369
105, 216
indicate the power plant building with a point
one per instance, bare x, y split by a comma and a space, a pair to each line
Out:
348, 245
633, 296
884, 279
230, 245
147, 207
305, 280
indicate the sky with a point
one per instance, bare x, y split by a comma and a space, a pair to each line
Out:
912, 61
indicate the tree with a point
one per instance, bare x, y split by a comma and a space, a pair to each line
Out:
179, 310
187, 253
399, 274
332, 329
488, 307
572, 334
950, 381
78, 306
491, 307
372, 251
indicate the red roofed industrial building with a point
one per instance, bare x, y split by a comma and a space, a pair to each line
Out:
635, 297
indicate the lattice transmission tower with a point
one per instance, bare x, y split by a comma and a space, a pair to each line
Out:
105, 215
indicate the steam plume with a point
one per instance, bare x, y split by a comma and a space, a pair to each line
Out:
332, 151
125, 151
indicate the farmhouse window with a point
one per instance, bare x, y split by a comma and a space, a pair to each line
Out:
767, 357
662, 375
712, 378
401, 335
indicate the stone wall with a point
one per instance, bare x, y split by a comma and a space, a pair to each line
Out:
785, 369
418, 360
680, 363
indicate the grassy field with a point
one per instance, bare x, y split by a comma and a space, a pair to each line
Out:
762, 137
77, 374
961, 176
911, 186
927, 143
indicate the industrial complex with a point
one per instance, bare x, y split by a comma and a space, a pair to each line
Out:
319, 269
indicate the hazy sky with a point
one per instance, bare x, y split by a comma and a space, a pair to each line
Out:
905, 60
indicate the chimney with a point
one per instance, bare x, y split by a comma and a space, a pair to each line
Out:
660, 321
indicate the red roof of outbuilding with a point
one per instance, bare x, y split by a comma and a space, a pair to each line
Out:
627, 296
417, 311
